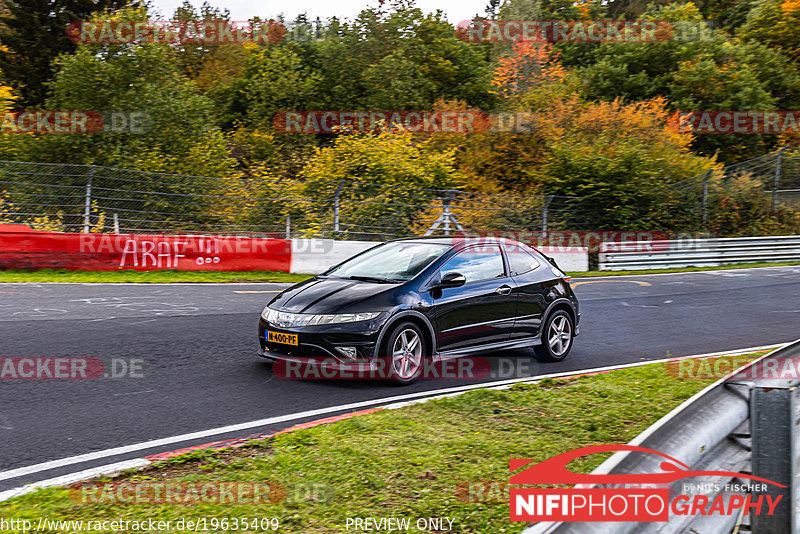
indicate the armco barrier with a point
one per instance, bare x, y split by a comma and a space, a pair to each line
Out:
22, 248
745, 423
697, 252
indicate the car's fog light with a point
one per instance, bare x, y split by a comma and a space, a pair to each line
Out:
348, 352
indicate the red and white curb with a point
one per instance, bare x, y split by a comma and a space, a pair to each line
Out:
367, 407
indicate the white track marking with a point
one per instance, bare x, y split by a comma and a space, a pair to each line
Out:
74, 477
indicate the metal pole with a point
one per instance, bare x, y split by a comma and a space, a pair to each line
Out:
777, 179
705, 195
288, 227
336, 206
446, 211
544, 213
88, 205
116, 224
773, 412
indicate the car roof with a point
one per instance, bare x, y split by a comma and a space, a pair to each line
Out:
456, 239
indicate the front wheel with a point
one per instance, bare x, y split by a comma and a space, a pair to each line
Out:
557, 336
406, 352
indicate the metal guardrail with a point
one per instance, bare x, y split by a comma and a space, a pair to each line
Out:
737, 424
697, 252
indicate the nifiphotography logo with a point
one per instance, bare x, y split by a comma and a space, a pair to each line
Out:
638, 503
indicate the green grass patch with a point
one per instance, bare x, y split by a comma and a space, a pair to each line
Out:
149, 277
403, 463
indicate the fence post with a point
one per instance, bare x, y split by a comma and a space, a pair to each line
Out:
116, 224
446, 210
773, 411
288, 227
777, 179
544, 212
706, 178
336, 206
88, 204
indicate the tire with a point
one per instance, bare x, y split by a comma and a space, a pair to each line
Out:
406, 350
558, 335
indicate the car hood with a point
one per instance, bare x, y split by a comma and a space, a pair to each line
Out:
335, 295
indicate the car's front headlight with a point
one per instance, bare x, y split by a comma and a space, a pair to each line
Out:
285, 319
343, 318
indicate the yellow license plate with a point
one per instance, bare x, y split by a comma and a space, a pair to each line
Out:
280, 337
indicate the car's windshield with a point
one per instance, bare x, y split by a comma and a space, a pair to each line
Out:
396, 261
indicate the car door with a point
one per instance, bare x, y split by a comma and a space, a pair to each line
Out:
483, 309
533, 282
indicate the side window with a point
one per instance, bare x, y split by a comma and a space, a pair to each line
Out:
477, 263
520, 261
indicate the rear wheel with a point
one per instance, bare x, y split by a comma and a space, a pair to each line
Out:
406, 350
557, 336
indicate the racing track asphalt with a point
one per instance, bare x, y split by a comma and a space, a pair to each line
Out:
196, 344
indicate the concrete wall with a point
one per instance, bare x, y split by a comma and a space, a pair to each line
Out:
313, 256
575, 260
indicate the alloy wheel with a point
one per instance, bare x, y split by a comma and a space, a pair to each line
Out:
559, 335
407, 354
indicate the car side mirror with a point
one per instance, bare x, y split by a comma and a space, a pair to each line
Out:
452, 280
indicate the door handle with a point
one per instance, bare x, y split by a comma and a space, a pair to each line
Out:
503, 290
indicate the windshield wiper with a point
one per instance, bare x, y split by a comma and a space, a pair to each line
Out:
376, 279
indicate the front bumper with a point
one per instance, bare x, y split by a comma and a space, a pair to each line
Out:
320, 342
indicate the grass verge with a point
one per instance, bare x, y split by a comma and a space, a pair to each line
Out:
407, 462
149, 277
172, 276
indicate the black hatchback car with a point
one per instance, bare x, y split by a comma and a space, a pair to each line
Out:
409, 300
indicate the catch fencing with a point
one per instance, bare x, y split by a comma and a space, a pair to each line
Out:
97, 199
745, 423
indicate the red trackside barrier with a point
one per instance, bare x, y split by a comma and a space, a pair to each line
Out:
20, 249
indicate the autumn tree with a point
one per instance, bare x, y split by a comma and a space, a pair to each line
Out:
712, 73
389, 178
33, 33
181, 134
775, 23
